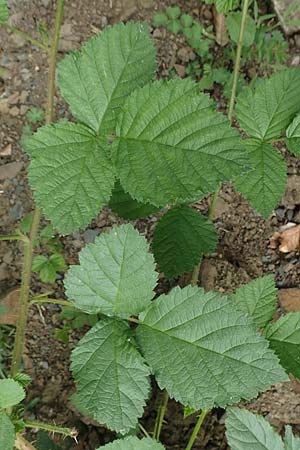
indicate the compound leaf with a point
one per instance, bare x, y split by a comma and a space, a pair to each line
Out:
133, 443
266, 112
127, 207
284, 337
180, 238
172, 145
110, 66
115, 276
248, 431
233, 22
204, 351
7, 432
293, 136
258, 299
112, 378
11, 393
290, 441
71, 174
264, 185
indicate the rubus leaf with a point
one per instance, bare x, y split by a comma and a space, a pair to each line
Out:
7, 432
248, 431
133, 443
116, 274
233, 22
204, 351
258, 299
71, 174
284, 337
111, 376
264, 113
293, 136
290, 441
128, 208
264, 185
4, 12
110, 66
180, 238
11, 393
173, 146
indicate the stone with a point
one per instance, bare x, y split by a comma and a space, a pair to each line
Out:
295, 61
290, 21
10, 170
14, 111
292, 192
90, 235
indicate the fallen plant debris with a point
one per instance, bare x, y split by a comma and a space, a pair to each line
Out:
287, 239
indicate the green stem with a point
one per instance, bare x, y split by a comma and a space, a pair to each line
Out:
144, 431
13, 237
50, 300
71, 432
29, 243
238, 56
25, 36
196, 429
160, 415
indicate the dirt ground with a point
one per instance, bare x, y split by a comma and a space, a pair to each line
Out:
243, 252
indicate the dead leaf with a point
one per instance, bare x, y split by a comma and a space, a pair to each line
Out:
6, 151
22, 444
11, 304
289, 299
288, 238
220, 28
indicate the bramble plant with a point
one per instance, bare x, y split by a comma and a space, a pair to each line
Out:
141, 146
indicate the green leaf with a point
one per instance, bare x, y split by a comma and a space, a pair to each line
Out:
293, 136
265, 112
47, 232
258, 299
264, 185
224, 6
173, 12
47, 267
7, 432
110, 66
133, 443
180, 238
4, 12
174, 26
111, 376
188, 411
186, 20
233, 22
172, 145
58, 262
128, 208
23, 379
284, 337
71, 174
248, 431
203, 351
35, 115
291, 442
45, 443
159, 19
116, 274
11, 393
